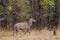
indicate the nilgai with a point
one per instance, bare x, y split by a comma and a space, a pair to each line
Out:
24, 25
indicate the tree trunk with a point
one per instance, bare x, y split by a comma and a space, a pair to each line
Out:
55, 17
35, 5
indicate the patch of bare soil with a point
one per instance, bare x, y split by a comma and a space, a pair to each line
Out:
33, 35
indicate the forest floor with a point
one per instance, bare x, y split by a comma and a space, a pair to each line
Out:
33, 35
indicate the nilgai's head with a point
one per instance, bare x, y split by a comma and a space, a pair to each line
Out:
32, 20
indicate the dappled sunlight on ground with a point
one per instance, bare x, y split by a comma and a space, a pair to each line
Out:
33, 35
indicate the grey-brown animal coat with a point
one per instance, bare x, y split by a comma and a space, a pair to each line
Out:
24, 25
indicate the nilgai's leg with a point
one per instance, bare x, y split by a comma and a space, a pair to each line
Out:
27, 30
15, 30
15, 34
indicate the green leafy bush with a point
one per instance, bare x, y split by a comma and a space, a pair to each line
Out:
47, 3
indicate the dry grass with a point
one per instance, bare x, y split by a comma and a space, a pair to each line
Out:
33, 35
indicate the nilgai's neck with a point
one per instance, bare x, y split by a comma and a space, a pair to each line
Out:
30, 23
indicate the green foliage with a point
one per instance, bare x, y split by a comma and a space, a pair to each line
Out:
9, 7
47, 3
25, 9
1, 8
